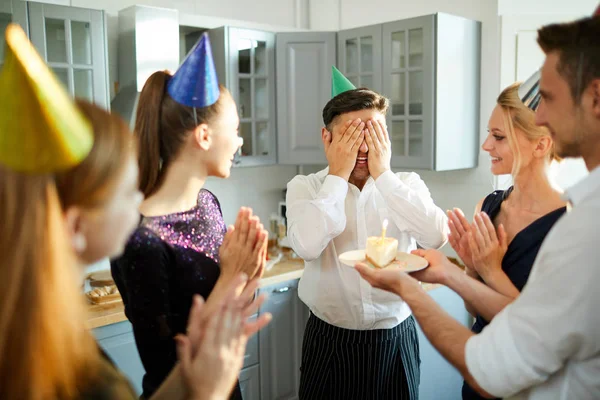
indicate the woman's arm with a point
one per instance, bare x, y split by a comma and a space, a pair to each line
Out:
482, 299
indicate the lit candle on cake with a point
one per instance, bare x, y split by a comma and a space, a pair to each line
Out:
381, 250
384, 226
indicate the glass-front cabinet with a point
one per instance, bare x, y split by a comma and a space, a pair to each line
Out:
408, 80
428, 67
245, 62
359, 56
11, 11
73, 42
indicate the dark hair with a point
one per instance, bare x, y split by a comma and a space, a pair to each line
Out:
578, 45
353, 100
161, 125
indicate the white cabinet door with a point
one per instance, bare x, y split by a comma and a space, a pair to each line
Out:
520, 57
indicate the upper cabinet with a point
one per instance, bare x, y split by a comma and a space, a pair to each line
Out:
431, 76
427, 66
408, 81
73, 43
245, 63
304, 63
12, 11
360, 55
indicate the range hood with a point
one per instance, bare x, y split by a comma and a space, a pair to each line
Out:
148, 42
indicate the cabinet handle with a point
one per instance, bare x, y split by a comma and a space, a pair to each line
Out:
282, 290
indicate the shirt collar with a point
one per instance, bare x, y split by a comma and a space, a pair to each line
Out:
584, 188
324, 172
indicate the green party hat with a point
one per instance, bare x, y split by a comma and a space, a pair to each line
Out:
339, 83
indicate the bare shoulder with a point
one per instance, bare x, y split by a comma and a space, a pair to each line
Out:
479, 205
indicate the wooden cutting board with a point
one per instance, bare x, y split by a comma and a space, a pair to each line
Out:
100, 278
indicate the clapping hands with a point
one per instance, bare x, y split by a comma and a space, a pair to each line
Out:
211, 353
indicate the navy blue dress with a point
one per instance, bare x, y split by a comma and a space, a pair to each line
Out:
519, 257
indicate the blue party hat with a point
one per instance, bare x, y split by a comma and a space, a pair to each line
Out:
195, 82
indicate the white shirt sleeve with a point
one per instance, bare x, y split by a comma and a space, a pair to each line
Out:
553, 320
413, 210
315, 219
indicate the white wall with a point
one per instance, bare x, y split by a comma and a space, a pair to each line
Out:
539, 7
521, 56
464, 188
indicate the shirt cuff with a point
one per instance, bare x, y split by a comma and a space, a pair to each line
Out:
387, 182
335, 186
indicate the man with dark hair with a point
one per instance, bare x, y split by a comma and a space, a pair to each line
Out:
546, 344
360, 342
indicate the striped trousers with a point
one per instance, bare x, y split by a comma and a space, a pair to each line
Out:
347, 364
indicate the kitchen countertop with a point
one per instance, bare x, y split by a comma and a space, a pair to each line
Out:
106, 314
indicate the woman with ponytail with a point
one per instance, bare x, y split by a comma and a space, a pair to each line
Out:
187, 128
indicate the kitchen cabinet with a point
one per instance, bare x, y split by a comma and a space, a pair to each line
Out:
360, 56
431, 76
118, 342
245, 64
427, 66
12, 11
280, 342
250, 383
304, 63
439, 379
73, 42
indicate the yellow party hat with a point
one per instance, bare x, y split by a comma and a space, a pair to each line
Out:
41, 129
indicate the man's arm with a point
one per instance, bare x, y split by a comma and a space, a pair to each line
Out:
413, 210
553, 320
446, 334
314, 220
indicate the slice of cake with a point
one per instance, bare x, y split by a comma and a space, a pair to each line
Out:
381, 251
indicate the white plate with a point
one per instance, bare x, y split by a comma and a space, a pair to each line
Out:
408, 262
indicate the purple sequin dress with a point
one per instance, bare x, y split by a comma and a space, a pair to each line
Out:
166, 261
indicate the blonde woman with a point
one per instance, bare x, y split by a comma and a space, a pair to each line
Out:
499, 247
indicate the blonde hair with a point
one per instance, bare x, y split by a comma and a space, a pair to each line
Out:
518, 116
46, 349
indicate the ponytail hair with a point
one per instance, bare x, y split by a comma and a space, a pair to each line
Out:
162, 126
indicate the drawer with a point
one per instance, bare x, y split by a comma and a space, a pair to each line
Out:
251, 356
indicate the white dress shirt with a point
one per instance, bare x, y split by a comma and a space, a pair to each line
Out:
327, 216
546, 344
